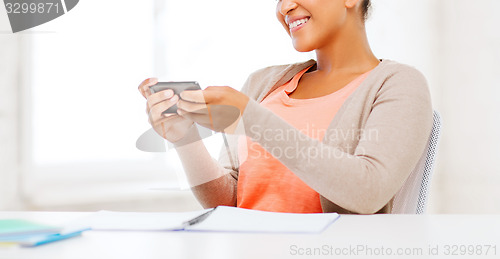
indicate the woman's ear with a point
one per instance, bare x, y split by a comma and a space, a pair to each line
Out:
351, 3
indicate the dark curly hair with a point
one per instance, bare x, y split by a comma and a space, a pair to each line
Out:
365, 9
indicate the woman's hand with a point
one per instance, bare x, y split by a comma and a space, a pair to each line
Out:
217, 107
170, 126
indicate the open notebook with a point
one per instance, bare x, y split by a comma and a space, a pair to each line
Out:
221, 218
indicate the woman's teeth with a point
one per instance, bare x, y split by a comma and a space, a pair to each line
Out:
297, 23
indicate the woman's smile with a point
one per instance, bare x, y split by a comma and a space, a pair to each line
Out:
327, 17
296, 23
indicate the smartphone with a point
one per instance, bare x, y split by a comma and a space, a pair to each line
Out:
177, 87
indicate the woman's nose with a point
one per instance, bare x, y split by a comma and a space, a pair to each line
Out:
287, 6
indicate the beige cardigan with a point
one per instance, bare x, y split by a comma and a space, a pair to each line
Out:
369, 149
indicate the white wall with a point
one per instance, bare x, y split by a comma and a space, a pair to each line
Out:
409, 32
468, 176
21, 187
456, 44
9, 81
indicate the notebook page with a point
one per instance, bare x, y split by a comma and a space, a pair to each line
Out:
232, 219
147, 221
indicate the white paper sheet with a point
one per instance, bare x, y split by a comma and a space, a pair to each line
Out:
231, 219
148, 221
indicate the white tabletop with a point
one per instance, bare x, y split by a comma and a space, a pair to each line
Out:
351, 236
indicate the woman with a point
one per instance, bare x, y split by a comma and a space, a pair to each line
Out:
340, 134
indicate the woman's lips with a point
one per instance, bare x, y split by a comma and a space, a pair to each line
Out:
297, 24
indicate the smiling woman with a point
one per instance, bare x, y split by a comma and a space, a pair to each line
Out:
346, 89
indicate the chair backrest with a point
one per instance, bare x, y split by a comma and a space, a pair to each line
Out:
412, 197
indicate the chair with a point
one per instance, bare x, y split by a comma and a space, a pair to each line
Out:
412, 197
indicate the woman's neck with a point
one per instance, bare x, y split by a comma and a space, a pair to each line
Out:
351, 53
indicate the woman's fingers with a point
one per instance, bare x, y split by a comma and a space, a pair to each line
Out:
192, 107
172, 128
156, 112
217, 108
193, 96
157, 98
144, 86
202, 117
215, 117
167, 121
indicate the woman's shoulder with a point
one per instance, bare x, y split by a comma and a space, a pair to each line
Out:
393, 77
392, 80
399, 71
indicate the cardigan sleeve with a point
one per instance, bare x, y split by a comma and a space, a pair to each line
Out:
367, 179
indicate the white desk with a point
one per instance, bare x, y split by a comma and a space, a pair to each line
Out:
413, 234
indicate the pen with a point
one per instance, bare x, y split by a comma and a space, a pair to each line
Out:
198, 219
36, 241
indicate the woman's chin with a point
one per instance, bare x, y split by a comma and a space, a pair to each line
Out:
302, 46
